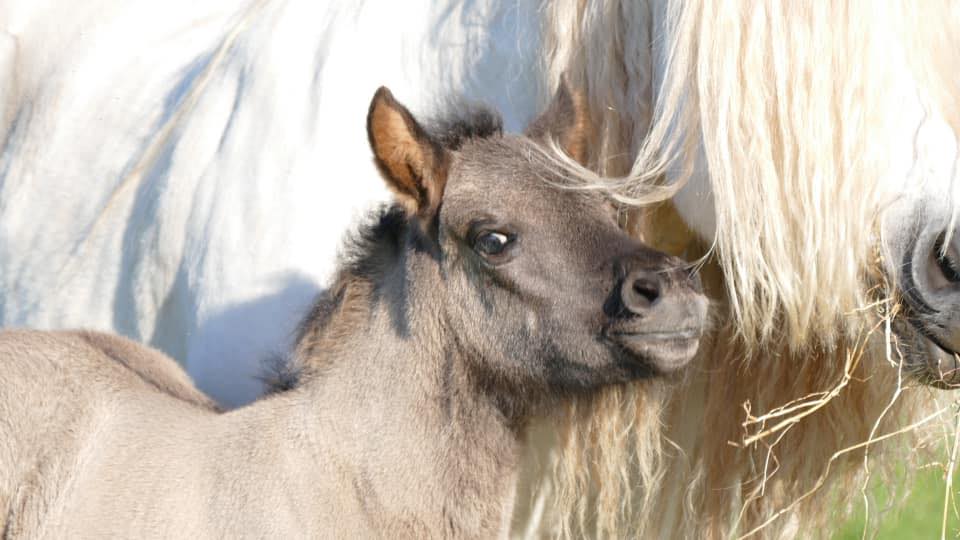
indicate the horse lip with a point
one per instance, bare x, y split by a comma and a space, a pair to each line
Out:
940, 345
934, 374
944, 380
690, 333
931, 337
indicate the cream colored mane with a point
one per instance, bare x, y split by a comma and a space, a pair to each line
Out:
788, 108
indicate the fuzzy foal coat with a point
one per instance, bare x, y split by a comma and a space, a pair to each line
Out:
134, 453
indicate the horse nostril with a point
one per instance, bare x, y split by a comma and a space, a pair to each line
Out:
640, 291
946, 261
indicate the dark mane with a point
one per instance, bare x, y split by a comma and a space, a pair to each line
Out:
372, 246
365, 254
465, 121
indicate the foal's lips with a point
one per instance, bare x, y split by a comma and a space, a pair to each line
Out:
667, 351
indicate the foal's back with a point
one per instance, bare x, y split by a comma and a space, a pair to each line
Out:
59, 389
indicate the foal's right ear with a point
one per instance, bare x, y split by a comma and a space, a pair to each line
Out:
413, 165
567, 120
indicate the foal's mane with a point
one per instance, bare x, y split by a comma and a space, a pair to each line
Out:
371, 250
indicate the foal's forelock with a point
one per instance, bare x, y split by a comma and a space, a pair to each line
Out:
466, 121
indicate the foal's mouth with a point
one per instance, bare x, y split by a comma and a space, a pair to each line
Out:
690, 333
666, 351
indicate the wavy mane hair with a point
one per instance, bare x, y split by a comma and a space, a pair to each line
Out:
786, 106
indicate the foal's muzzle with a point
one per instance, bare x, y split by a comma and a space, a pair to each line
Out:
657, 312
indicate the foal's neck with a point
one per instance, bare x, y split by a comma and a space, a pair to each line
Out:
397, 399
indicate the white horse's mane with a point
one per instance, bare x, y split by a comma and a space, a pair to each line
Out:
787, 107
796, 115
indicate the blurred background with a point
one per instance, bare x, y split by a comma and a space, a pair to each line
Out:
920, 517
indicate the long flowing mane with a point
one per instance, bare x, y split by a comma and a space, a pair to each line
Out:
791, 110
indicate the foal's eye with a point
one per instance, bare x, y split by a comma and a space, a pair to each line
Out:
491, 244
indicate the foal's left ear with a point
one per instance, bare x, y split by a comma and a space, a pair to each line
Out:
567, 120
413, 165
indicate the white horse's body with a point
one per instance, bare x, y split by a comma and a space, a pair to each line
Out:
167, 169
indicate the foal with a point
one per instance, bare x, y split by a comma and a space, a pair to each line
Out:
485, 296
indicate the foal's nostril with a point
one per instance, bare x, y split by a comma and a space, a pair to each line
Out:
640, 291
646, 290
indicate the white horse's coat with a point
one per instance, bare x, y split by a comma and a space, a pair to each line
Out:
182, 172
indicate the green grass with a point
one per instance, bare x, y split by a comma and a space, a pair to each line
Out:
919, 517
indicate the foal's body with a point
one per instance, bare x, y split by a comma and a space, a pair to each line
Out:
132, 460
469, 307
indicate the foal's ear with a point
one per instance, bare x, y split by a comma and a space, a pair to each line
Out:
413, 165
567, 120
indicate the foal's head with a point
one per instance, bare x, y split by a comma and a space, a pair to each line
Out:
536, 283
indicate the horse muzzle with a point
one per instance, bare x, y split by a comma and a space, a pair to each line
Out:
930, 287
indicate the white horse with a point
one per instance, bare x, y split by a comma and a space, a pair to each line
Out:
186, 152
162, 174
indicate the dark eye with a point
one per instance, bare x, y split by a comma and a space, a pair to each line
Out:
491, 244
